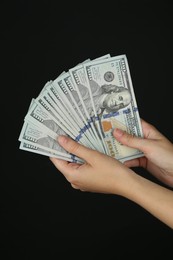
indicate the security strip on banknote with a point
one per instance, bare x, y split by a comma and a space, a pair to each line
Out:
85, 103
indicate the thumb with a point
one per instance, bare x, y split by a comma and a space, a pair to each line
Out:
75, 148
130, 140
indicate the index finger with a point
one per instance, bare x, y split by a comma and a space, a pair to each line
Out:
75, 148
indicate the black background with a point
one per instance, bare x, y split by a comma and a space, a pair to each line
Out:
41, 215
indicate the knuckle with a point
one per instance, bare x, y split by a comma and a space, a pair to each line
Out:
128, 138
74, 148
74, 186
72, 178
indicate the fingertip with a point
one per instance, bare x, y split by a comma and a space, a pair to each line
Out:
62, 139
118, 132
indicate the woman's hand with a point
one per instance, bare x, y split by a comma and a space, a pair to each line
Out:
100, 173
103, 174
157, 149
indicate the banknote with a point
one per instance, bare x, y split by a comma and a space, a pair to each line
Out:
79, 78
78, 101
115, 105
85, 103
75, 111
34, 149
35, 138
48, 106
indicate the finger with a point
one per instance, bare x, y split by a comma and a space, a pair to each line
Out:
64, 167
138, 162
150, 131
59, 163
132, 163
74, 186
75, 148
130, 140
77, 188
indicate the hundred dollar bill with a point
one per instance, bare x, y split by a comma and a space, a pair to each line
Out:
79, 78
114, 102
39, 139
59, 106
78, 102
70, 103
39, 114
34, 149
41, 118
45, 101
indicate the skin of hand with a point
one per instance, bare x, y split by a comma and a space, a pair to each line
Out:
157, 149
103, 174
97, 174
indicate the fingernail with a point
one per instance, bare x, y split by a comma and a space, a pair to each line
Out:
118, 132
62, 139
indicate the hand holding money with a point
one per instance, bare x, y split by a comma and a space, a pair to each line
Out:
113, 176
86, 104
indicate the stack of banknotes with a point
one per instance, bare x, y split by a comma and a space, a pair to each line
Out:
85, 103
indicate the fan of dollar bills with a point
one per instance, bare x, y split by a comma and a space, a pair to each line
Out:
86, 103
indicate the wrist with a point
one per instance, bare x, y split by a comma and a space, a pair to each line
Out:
125, 184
